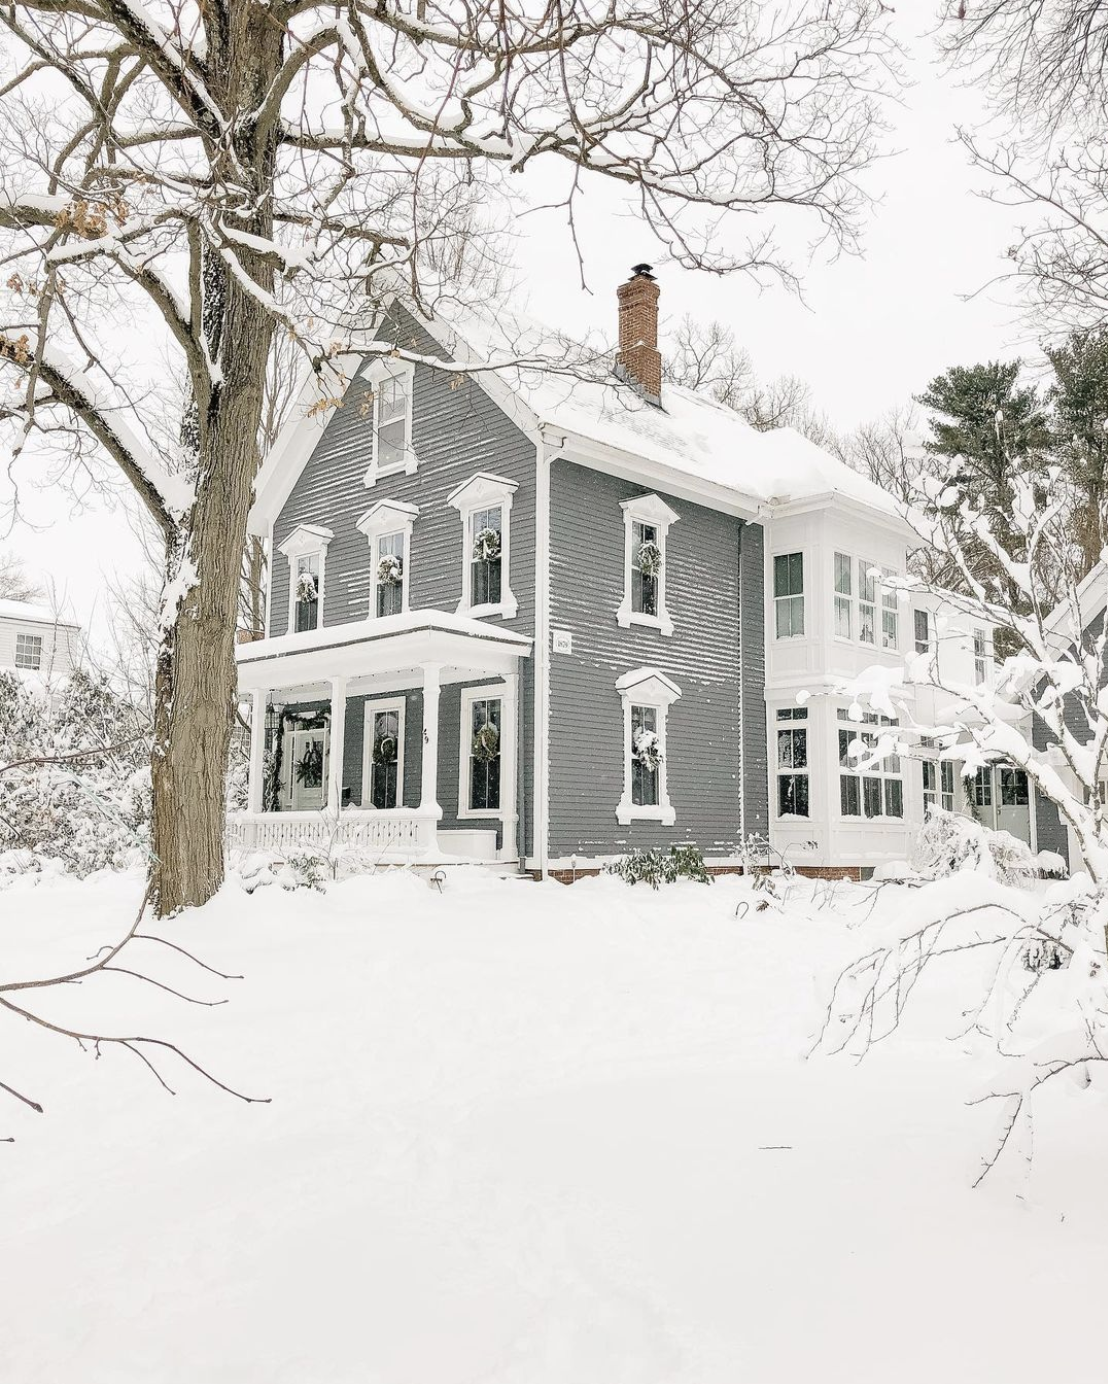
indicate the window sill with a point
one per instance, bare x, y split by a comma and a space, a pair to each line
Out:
626, 618
626, 813
375, 474
471, 814
873, 821
506, 609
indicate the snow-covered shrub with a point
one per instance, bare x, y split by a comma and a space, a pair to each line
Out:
305, 869
59, 803
949, 842
655, 867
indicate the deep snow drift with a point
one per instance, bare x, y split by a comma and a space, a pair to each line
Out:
526, 1134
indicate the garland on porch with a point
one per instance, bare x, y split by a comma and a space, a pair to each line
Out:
648, 749
390, 570
486, 546
486, 744
650, 558
287, 718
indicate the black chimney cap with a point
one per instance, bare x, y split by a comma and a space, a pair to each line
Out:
642, 271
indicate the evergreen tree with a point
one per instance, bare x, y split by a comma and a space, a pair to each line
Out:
1079, 397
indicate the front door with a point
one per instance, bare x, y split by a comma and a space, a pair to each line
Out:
1013, 803
307, 760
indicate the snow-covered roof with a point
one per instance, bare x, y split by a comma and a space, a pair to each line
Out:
37, 614
691, 433
559, 388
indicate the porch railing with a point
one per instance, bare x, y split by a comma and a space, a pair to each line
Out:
393, 832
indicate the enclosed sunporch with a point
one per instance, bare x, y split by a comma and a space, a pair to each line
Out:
396, 738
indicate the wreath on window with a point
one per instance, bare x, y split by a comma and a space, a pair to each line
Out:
307, 588
486, 546
648, 749
650, 558
309, 769
486, 744
384, 749
390, 570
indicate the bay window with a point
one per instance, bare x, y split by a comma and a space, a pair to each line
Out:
843, 602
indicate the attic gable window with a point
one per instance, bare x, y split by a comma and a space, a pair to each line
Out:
306, 550
484, 505
388, 404
388, 528
646, 524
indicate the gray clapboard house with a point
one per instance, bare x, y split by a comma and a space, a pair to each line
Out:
521, 615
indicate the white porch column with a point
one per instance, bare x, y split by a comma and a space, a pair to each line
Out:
509, 764
428, 798
337, 744
255, 795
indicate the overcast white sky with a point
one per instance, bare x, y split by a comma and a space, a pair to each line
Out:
872, 331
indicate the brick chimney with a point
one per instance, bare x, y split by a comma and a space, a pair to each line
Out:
638, 359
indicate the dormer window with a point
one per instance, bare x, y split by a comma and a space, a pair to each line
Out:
484, 505
306, 550
646, 522
388, 528
389, 405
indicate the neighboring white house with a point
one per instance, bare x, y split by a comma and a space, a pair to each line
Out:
34, 640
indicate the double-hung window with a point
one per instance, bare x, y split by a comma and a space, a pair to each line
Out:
383, 771
844, 621
388, 528
788, 595
869, 787
922, 621
390, 573
388, 405
890, 613
647, 696
484, 505
983, 786
980, 656
484, 757
306, 550
792, 762
867, 602
938, 784
28, 651
646, 523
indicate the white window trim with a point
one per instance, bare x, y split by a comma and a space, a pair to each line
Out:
372, 706
306, 540
373, 374
495, 691
486, 491
646, 687
388, 516
645, 509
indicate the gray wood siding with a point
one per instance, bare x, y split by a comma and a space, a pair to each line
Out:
752, 636
705, 727
457, 431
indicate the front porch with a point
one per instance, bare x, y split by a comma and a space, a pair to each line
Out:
395, 739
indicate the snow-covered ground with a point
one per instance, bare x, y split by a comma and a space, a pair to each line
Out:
527, 1135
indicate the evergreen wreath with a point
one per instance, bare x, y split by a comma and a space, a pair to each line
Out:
384, 749
650, 558
390, 570
486, 546
648, 749
307, 589
486, 744
309, 770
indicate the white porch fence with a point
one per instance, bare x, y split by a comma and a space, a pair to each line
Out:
392, 833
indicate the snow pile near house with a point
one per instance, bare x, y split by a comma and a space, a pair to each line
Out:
533, 1135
